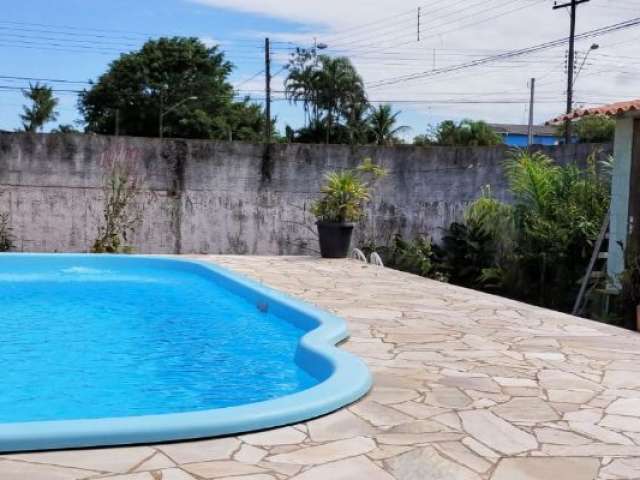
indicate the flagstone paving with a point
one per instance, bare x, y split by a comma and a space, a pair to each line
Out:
466, 386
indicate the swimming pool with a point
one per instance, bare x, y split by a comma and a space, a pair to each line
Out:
109, 350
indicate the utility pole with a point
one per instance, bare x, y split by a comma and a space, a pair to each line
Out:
267, 72
531, 104
419, 14
573, 4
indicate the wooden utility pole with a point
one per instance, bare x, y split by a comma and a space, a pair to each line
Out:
267, 71
573, 4
531, 105
419, 15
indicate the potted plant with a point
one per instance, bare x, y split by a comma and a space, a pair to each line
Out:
341, 205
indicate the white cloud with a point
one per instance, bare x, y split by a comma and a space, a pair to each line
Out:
209, 41
460, 31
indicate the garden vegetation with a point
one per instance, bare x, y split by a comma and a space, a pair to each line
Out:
535, 248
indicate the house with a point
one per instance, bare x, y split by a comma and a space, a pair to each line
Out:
518, 135
624, 227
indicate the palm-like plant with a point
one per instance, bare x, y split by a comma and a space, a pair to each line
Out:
329, 89
533, 178
339, 86
301, 82
382, 122
343, 197
357, 123
544, 240
346, 192
42, 109
467, 133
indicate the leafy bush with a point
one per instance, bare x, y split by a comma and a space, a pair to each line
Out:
535, 249
592, 129
346, 193
466, 133
543, 241
418, 256
467, 251
6, 236
120, 217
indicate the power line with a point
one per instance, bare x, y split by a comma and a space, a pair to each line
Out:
430, 23
511, 54
377, 33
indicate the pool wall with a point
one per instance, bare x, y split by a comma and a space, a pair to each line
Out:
344, 379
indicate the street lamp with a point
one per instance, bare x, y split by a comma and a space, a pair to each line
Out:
164, 112
593, 47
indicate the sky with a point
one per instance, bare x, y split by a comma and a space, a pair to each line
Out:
69, 42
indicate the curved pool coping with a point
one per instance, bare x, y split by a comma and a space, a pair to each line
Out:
349, 380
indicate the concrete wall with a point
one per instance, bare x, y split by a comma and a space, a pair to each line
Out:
216, 197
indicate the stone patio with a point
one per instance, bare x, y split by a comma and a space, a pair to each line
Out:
467, 386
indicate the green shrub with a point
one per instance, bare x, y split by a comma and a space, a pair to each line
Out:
544, 240
119, 217
346, 192
467, 251
418, 256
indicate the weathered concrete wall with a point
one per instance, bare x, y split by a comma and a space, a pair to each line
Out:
216, 197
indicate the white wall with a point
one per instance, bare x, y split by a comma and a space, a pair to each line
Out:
623, 147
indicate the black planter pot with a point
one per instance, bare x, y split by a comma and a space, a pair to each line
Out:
335, 239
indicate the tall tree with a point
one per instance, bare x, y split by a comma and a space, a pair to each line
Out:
332, 93
340, 88
357, 124
382, 122
466, 133
178, 79
42, 108
593, 129
301, 85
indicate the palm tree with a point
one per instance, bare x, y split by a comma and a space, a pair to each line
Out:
339, 86
42, 109
357, 123
382, 122
467, 133
330, 87
301, 83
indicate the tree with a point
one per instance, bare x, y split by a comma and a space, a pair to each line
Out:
332, 93
592, 129
382, 122
301, 84
177, 78
544, 239
65, 128
42, 109
357, 124
466, 133
422, 140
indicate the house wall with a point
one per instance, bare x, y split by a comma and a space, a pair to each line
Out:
218, 197
515, 140
620, 182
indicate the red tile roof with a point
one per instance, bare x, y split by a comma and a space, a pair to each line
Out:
611, 110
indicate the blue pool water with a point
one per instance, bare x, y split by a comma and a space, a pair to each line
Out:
85, 337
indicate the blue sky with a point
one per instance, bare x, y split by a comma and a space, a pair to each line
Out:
76, 40
29, 51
